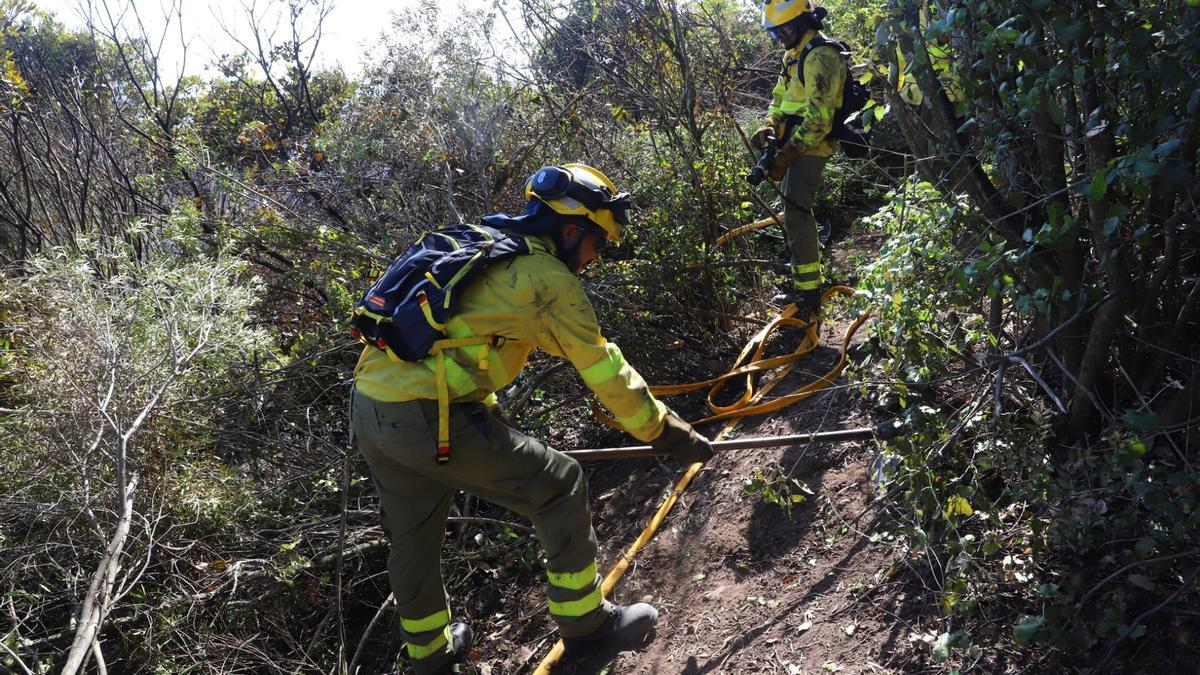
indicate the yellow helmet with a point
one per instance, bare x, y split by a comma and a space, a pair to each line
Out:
580, 190
778, 12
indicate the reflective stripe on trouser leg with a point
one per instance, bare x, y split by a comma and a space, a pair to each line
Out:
428, 636
806, 277
800, 186
575, 600
413, 513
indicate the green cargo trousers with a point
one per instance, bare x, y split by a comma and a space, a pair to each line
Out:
497, 463
800, 186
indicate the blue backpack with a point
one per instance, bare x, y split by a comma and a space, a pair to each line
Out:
405, 312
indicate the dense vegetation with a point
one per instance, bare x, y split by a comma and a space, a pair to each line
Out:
1063, 187
180, 255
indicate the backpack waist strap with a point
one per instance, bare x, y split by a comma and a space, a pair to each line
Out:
437, 353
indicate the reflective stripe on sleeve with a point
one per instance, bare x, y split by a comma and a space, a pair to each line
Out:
640, 417
608, 367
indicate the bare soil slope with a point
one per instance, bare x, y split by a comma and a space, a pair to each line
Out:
798, 581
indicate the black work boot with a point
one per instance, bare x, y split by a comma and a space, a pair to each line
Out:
461, 639
808, 304
627, 627
784, 298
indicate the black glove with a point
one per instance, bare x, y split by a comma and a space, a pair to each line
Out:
679, 440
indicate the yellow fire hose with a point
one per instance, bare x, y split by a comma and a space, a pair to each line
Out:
749, 227
748, 404
751, 362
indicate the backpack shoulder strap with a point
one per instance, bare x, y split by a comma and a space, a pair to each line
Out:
842, 48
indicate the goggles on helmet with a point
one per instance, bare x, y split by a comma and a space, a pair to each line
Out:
556, 182
792, 30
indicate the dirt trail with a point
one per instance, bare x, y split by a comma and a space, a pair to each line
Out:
745, 587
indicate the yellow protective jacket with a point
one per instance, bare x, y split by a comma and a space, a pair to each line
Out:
531, 302
816, 101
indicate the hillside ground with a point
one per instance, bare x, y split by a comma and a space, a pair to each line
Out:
773, 561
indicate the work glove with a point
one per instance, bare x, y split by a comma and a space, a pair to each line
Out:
787, 154
679, 440
761, 136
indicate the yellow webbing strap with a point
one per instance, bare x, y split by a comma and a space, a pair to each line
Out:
423, 301
437, 353
481, 253
749, 227
363, 311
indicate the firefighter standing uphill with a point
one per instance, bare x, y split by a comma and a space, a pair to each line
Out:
801, 119
532, 301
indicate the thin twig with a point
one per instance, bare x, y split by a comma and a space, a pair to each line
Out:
316, 638
362, 642
345, 489
98, 655
1142, 617
999, 392
1037, 378
521, 399
1136, 563
1045, 339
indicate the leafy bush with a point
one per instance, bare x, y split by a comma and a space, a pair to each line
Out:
1027, 540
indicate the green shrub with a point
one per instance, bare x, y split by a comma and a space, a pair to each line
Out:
117, 357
